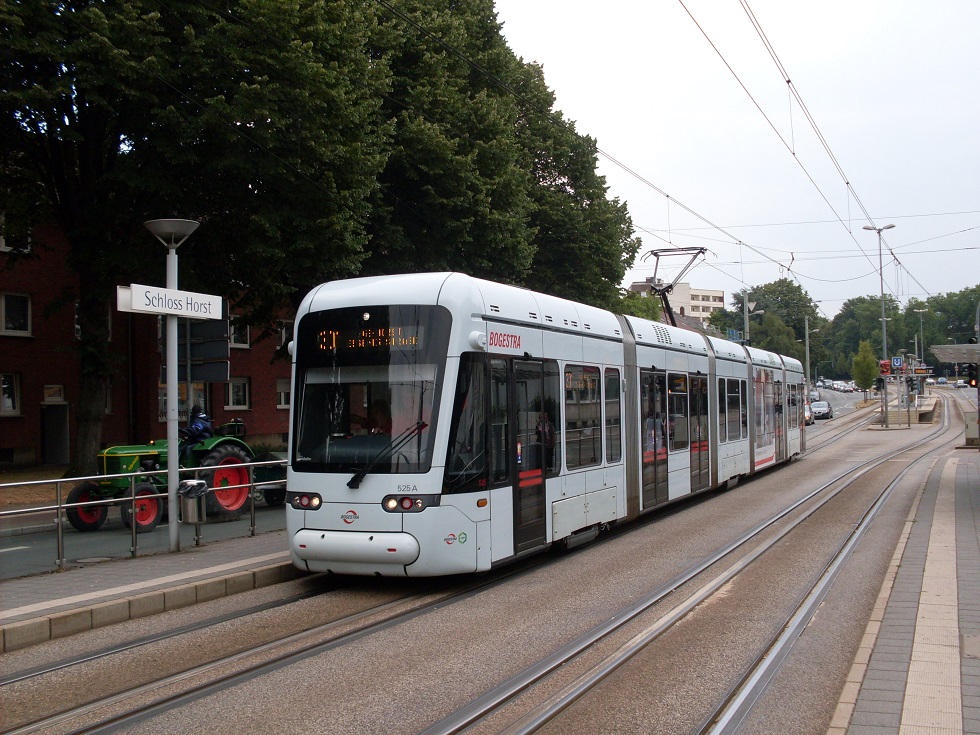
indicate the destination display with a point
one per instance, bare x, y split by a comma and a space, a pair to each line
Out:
365, 338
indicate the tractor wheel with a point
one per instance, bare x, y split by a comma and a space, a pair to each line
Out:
149, 510
88, 518
221, 468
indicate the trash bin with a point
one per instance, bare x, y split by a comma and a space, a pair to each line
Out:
193, 500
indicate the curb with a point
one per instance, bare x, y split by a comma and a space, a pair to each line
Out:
25, 633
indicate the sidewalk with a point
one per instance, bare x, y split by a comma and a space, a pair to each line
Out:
39, 608
917, 671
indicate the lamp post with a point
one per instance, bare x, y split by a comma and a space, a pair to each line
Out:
922, 339
172, 233
747, 311
807, 332
884, 327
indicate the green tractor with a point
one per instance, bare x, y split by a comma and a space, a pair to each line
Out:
219, 460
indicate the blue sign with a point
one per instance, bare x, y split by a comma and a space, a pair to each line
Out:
897, 362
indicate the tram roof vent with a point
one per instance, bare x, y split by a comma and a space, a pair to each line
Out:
587, 326
660, 334
532, 315
548, 318
494, 308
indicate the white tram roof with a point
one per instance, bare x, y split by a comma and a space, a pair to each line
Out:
665, 335
764, 357
466, 295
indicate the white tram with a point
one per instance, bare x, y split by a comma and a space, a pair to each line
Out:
442, 424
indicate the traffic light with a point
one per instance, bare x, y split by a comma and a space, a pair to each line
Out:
879, 384
971, 375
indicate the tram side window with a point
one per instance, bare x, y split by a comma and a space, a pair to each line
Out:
722, 412
614, 416
678, 419
736, 409
583, 416
552, 403
499, 417
466, 459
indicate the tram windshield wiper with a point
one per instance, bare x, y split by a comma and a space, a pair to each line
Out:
397, 443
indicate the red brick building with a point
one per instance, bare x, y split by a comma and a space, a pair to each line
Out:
39, 368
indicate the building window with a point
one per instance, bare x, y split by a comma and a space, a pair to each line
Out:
282, 393
237, 394
15, 314
9, 394
238, 335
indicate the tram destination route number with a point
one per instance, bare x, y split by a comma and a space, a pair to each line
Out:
336, 340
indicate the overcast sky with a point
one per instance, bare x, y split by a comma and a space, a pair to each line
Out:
893, 88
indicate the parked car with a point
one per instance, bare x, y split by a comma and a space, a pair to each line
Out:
930, 381
807, 414
814, 394
822, 410
962, 384
941, 381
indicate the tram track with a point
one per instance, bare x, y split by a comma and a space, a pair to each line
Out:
728, 715
86, 718
280, 651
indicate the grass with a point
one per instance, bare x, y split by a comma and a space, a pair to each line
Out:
25, 495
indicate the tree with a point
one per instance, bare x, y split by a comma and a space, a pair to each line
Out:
126, 111
785, 299
452, 195
635, 304
584, 242
864, 368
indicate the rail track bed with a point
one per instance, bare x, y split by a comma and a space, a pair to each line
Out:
739, 612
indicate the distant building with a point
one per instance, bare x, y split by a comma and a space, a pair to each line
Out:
39, 369
685, 301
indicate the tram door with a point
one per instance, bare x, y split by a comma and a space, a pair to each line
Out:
653, 396
700, 468
530, 456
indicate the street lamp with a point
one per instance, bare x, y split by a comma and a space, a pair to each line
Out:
922, 339
884, 327
747, 311
172, 233
807, 332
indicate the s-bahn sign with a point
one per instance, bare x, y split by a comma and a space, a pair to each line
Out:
156, 300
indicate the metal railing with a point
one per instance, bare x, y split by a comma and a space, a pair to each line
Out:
60, 506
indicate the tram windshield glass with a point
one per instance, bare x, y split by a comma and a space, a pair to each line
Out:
367, 379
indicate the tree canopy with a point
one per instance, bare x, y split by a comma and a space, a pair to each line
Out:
313, 139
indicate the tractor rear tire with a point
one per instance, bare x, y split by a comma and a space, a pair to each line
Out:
91, 517
221, 468
149, 510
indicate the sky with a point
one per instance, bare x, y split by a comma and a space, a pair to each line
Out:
723, 154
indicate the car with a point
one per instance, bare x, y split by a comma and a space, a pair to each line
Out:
941, 381
814, 394
807, 414
962, 384
822, 410
930, 381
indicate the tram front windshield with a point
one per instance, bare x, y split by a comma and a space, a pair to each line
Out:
367, 382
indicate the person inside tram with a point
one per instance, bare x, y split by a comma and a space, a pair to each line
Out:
546, 435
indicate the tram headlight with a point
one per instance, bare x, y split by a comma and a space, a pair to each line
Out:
409, 503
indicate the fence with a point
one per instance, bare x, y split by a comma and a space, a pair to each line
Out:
12, 519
